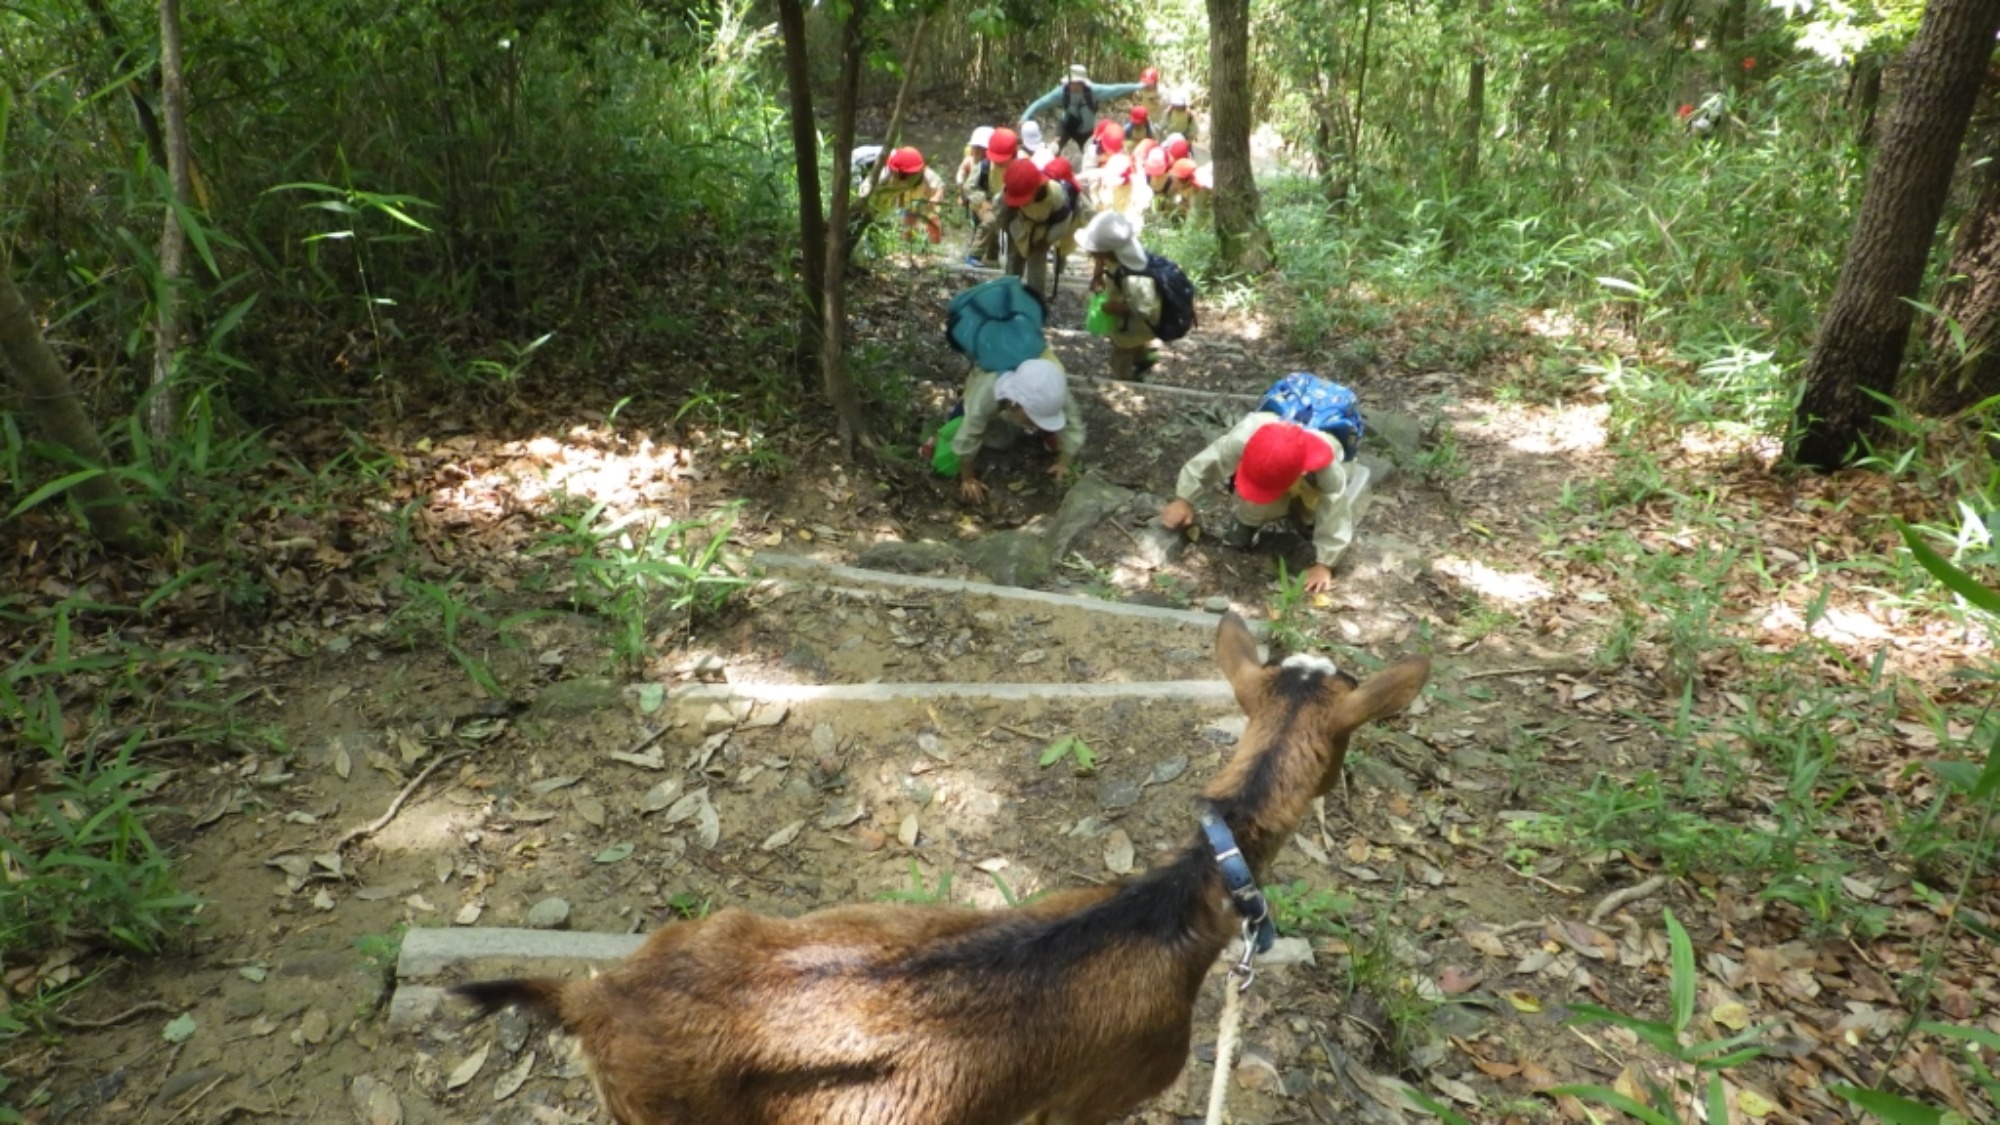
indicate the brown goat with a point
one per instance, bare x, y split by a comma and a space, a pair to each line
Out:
1070, 1009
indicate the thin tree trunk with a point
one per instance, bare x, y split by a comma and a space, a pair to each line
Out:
1475, 104
149, 123
51, 399
805, 159
894, 133
1864, 96
1968, 296
840, 390
1867, 323
1361, 83
163, 410
1244, 243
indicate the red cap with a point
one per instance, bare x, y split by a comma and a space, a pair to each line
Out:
1113, 137
1274, 459
1023, 181
1177, 149
1145, 147
1059, 169
1139, 114
1156, 163
1002, 145
1149, 76
1183, 169
906, 161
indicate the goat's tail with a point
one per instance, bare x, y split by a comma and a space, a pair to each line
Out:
541, 995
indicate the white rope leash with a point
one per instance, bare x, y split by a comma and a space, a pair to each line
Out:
1225, 1046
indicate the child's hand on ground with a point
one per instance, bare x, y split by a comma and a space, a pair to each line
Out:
972, 490
1319, 579
1060, 472
1177, 515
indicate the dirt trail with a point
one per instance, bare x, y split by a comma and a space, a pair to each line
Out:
574, 793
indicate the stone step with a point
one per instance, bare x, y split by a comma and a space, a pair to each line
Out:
824, 573
1198, 691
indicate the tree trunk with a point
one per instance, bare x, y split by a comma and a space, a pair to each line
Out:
805, 158
894, 132
1475, 104
1867, 323
1864, 95
1244, 244
45, 387
1968, 297
163, 409
840, 391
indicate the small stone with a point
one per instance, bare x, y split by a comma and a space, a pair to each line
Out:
717, 718
824, 740
1216, 604
1117, 793
549, 914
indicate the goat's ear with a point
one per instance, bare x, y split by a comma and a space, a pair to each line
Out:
1236, 652
1384, 693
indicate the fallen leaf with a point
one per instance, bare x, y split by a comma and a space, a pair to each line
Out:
782, 836
179, 1029
1484, 940
613, 854
1754, 1104
469, 1069
1731, 1014
1455, 981
1523, 1001
515, 1077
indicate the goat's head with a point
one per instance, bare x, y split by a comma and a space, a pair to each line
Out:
1302, 710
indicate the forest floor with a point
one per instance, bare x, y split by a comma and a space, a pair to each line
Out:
1450, 937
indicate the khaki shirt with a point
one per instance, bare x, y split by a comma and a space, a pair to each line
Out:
1329, 500
1034, 226
892, 192
982, 412
1134, 329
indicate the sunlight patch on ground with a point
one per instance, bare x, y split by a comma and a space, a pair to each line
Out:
594, 465
425, 827
1516, 588
1578, 428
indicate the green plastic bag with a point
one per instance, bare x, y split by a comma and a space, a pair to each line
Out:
1099, 322
942, 458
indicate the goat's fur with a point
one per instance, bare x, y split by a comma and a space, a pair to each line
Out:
1070, 1009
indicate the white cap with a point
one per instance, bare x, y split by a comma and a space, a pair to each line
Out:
1038, 387
1177, 97
1077, 73
980, 136
1031, 135
1110, 232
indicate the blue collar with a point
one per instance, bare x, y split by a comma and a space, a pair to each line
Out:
1243, 891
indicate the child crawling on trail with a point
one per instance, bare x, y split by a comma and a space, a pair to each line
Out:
907, 185
1277, 469
1033, 401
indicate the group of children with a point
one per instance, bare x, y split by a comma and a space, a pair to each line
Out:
1290, 459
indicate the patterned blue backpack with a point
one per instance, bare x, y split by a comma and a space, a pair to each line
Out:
1317, 404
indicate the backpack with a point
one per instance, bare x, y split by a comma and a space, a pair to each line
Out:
1317, 404
1077, 111
1176, 297
997, 324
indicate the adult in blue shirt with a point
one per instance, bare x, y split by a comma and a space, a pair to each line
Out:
1079, 98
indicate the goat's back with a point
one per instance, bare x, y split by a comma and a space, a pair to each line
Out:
882, 1015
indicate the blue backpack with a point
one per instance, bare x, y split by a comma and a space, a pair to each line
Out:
997, 324
1317, 404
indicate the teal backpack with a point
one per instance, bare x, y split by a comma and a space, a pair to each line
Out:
997, 324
